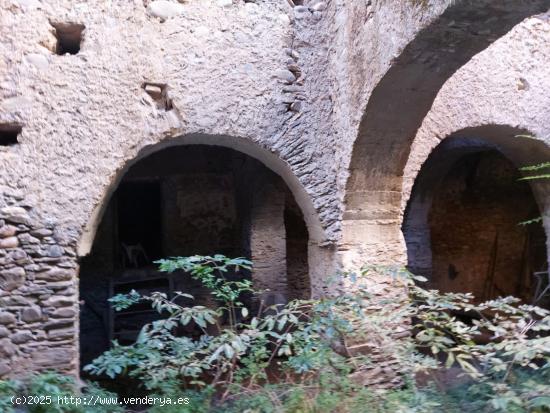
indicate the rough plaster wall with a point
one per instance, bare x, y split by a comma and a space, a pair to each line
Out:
506, 84
220, 65
395, 111
226, 71
368, 37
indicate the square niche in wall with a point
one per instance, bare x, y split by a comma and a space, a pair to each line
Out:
69, 37
9, 133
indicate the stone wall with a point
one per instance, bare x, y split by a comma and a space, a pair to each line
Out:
295, 88
506, 84
462, 228
38, 291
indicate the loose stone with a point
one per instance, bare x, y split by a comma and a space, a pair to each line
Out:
21, 337
10, 242
12, 278
320, 6
31, 314
285, 75
165, 9
7, 231
6, 318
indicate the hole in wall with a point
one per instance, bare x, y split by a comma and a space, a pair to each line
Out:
69, 37
9, 134
159, 93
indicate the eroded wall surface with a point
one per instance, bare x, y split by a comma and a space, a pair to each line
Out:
287, 86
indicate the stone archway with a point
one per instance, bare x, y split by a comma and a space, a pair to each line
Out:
461, 224
189, 198
396, 110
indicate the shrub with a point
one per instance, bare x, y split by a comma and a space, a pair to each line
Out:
300, 357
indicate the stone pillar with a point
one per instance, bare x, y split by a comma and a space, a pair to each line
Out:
268, 242
416, 230
38, 293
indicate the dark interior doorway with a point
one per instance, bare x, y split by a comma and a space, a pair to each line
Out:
463, 226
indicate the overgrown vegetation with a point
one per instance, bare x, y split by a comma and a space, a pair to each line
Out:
42, 394
446, 353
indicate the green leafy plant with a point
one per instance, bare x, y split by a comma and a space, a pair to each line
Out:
44, 391
321, 355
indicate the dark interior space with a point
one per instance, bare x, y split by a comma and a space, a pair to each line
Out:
181, 201
69, 37
9, 134
463, 227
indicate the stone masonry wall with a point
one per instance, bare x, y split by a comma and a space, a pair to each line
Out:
38, 291
285, 85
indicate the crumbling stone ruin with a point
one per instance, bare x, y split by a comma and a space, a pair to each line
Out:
311, 138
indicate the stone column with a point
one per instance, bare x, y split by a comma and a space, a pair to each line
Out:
268, 243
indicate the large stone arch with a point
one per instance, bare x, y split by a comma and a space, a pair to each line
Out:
249, 202
269, 159
395, 111
478, 143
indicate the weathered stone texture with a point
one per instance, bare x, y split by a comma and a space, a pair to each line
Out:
25, 296
287, 86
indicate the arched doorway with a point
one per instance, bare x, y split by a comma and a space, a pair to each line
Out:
463, 223
396, 109
186, 200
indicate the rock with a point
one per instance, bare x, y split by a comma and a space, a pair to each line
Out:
14, 300
7, 231
57, 324
26, 238
301, 12
4, 332
21, 337
294, 68
38, 60
10, 242
61, 334
285, 75
53, 357
41, 233
57, 301
55, 274
63, 313
320, 6
55, 251
18, 256
12, 278
292, 53
296, 106
7, 349
165, 9
6, 318
4, 368
31, 314
12, 211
